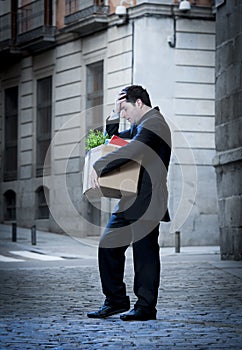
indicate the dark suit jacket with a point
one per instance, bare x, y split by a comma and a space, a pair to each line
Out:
151, 143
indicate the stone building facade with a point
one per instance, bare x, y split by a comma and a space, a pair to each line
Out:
228, 160
63, 64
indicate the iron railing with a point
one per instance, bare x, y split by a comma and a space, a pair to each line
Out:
80, 9
7, 27
35, 19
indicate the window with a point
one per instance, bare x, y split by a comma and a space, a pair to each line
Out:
42, 211
44, 114
94, 118
11, 134
9, 205
94, 88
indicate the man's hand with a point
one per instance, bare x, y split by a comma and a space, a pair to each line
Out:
121, 98
94, 179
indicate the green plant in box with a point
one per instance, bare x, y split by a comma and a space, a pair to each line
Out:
95, 138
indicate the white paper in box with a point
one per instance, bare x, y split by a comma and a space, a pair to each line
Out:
122, 181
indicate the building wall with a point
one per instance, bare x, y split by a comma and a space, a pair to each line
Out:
180, 80
228, 127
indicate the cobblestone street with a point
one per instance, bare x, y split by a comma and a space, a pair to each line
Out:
44, 305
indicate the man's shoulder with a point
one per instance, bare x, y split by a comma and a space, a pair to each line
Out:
153, 117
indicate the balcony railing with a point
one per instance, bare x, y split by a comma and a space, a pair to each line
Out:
34, 20
76, 10
5, 27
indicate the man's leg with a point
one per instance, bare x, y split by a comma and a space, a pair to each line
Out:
111, 255
146, 252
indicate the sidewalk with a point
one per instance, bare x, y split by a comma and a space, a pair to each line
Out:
80, 248
44, 305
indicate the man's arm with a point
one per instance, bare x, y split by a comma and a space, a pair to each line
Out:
112, 128
143, 145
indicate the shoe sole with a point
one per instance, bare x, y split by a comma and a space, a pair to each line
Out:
140, 319
119, 311
130, 319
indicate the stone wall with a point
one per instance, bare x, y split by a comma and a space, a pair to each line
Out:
181, 82
228, 127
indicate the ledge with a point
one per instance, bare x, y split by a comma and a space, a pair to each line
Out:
227, 157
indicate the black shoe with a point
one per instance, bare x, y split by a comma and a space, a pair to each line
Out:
138, 315
106, 311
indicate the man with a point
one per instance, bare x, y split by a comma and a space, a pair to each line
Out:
136, 218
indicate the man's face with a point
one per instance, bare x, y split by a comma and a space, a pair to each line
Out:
130, 112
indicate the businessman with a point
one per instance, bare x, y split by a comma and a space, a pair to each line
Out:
136, 218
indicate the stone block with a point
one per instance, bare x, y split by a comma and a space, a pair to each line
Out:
233, 211
229, 179
228, 136
68, 77
26, 129
231, 243
66, 151
68, 91
67, 136
229, 18
121, 76
193, 91
228, 107
194, 107
196, 57
26, 143
26, 88
26, 115
26, 74
26, 101
45, 60
63, 166
195, 74
117, 33
67, 122
26, 172
99, 41
72, 60
186, 25
195, 41
119, 46
68, 48
26, 157
191, 123
116, 62
68, 106
233, 81
193, 140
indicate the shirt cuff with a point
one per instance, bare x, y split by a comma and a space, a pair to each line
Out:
113, 117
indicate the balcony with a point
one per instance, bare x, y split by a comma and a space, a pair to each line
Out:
8, 24
85, 16
6, 29
35, 28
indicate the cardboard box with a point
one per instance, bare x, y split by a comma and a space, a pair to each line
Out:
122, 181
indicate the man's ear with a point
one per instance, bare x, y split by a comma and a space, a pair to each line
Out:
139, 103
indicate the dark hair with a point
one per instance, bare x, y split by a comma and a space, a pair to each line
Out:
135, 92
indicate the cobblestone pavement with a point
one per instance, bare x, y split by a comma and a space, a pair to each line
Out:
43, 305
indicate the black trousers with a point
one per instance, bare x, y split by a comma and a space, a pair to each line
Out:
117, 237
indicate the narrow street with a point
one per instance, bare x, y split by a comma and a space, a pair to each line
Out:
44, 302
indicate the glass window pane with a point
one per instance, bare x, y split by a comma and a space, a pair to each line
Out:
94, 86
44, 115
11, 134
